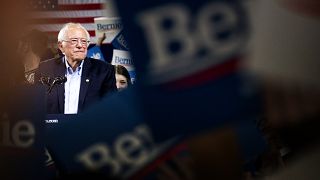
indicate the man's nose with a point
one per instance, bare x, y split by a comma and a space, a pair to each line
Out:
79, 43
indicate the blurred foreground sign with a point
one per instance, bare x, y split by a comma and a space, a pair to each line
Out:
289, 31
110, 138
22, 134
187, 54
175, 39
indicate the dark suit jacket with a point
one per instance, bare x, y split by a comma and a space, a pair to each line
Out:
97, 80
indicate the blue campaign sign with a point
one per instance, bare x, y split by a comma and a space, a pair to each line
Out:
187, 56
110, 138
175, 39
120, 42
95, 53
22, 134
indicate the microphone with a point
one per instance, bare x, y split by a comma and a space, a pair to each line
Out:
56, 81
45, 80
60, 80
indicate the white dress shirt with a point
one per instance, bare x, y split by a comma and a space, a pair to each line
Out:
72, 88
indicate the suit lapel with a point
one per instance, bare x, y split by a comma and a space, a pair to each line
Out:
85, 81
60, 71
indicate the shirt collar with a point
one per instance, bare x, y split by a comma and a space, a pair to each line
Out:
69, 68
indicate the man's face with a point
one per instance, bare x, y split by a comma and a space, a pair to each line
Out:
74, 45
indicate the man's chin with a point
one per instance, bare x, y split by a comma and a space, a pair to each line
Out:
79, 58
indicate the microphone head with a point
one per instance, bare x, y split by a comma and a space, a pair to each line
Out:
60, 79
64, 79
45, 80
56, 81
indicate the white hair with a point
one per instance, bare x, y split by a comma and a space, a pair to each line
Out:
66, 27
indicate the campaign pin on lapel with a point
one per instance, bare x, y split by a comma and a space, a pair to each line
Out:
87, 80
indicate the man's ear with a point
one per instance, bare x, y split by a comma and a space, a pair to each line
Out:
60, 46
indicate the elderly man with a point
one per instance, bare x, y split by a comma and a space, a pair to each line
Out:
74, 81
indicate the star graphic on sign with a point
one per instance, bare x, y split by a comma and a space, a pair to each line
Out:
96, 55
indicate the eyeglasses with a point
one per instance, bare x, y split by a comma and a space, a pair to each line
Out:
75, 41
